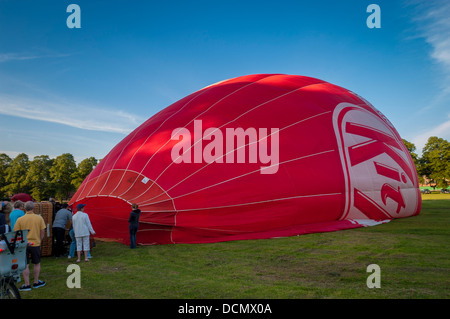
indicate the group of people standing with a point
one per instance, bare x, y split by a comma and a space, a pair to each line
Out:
24, 218
79, 231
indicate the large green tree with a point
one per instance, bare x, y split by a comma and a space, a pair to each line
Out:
412, 151
38, 178
5, 162
84, 168
435, 161
61, 175
16, 175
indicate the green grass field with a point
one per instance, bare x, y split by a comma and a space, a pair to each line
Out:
412, 253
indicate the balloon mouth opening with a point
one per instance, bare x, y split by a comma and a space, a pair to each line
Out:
109, 209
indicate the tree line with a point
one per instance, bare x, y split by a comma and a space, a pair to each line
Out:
433, 167
44, 177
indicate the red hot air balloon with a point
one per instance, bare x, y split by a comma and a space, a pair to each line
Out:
258, 156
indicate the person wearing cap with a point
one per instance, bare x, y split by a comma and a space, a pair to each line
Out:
82, 228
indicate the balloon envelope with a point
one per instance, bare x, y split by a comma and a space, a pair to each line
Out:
258, 156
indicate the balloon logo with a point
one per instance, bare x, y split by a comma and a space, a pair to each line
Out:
257, 156
370, 147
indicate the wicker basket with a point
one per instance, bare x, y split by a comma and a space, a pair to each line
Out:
45, 209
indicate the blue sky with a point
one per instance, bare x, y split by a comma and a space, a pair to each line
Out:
81, 91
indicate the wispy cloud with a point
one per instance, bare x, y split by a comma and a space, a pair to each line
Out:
433, 25
7, 57
72, 114
442, 130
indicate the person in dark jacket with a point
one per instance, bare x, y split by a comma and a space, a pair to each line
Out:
5, 210
3, 224
134, 224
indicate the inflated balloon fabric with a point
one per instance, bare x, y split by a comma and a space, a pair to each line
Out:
258, 156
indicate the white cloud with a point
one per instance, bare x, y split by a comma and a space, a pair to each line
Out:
433, 25
72, 114
7, 57
442, 130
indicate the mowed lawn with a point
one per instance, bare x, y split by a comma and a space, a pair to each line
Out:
412, 253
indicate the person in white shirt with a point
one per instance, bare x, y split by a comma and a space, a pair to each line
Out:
82, 228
